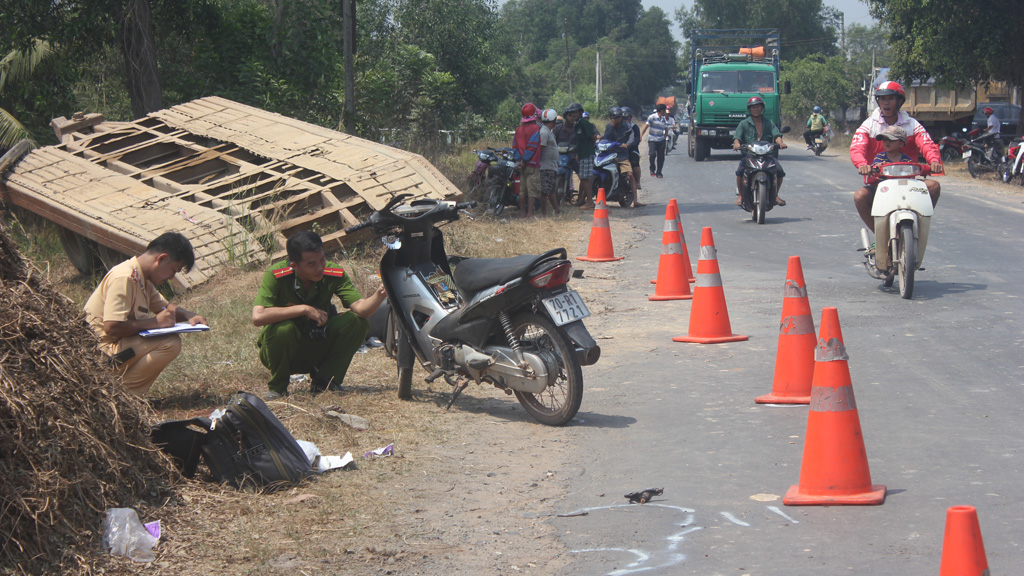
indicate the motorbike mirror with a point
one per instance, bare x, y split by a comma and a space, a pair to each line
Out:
786, 129
395, 201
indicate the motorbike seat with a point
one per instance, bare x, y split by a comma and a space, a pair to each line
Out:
475, 274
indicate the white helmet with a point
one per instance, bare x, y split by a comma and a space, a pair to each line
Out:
549, 115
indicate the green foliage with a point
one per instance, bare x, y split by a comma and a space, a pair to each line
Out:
816, 81
17, 66
956, 42
805, 26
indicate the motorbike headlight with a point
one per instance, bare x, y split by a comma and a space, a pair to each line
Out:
760, 149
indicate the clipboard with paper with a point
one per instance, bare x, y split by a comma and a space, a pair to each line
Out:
179, 328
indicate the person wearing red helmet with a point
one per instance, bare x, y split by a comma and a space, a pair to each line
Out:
527, 145
993, 126
758, 128
864, 146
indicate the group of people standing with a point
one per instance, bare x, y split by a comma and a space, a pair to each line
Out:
541, 133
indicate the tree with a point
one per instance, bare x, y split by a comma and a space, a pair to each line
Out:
15, 66
817, 81
958, 43
805, 26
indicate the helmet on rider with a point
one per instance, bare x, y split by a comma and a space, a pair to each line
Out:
615, 112
988, 111
549, 115
754, 101
586, 114
627, 112
817, 109
529, 112
891, 88
574, 107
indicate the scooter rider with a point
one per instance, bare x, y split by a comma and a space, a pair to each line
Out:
633, 145
757, 128
890, 98
816, 125
618, 131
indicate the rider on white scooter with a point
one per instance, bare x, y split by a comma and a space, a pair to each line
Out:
864, 147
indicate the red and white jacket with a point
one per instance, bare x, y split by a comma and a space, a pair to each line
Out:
864, 147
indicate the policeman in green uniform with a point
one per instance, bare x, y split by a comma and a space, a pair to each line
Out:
301, 332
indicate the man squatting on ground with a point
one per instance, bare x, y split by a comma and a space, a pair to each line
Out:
302, 333
127, 302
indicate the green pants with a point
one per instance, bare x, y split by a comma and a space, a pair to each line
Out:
286, 349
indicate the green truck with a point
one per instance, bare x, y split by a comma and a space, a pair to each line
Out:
727, 67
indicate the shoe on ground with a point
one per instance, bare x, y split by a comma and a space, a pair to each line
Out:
653, 175
660, 176
274, 395
779, 201
320, 385
739, 201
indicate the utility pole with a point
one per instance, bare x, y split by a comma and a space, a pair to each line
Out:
568, 61
348, 14
597, 84
842, 33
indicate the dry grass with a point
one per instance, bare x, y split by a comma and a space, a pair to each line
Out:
346, 516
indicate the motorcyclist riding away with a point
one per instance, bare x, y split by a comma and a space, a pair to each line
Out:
816, 125
864, 147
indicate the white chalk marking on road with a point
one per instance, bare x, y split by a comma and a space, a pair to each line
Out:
734, 519
781, 513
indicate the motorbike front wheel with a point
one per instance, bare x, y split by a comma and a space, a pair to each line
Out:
974, 165
907, 260
496, 198
561, 399
950, 155
760, 202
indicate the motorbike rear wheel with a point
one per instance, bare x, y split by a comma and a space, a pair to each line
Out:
560, 401
818, 149
906, 260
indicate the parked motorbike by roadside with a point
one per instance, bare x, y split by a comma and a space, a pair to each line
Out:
565, 189
902, 209
984, 152
952, 148
760, 170
510, 322
606, 174
502, 171
1012, 165
821, 141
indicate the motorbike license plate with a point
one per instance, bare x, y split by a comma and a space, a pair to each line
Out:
967, 154
566, 307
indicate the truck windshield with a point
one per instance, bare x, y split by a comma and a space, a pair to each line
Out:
737, 81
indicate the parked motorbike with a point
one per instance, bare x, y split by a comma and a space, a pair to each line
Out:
1012, 165
902, 209
510, 322
565, 189
821, 141
759, 179
502, 172
952, 148
983, 153
606, 174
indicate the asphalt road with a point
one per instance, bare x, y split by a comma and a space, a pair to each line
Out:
938, 380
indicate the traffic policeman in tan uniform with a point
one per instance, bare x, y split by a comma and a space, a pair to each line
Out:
301, 332
127, 302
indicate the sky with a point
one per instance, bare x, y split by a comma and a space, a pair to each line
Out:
855, 11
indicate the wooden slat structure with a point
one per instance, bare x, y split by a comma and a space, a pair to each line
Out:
236, 180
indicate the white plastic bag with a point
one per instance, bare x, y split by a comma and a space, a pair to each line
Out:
124, 535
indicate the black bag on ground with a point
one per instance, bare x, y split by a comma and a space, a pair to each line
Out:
247, 446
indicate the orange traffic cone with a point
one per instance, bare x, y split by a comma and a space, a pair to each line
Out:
835, 465
709, 317
672, 283
794, 360
963, 552
600, 247
687, 270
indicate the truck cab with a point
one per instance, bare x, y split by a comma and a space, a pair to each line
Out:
722, 79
